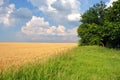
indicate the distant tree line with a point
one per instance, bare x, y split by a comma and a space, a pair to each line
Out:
100, 25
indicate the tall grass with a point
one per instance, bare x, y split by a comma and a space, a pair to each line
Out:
81, 63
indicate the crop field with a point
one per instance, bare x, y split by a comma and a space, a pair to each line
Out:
15, 54
79, 63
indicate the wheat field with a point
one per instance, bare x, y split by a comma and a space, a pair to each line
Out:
15, 54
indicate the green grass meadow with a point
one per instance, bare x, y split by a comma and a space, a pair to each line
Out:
81, 63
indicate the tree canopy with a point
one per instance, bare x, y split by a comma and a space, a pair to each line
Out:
101, 26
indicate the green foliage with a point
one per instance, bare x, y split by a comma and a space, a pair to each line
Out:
101, 26
81, 63
110, 34
95, 14
89, 34
113, 14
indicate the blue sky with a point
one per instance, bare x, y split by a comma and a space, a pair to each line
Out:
42, 20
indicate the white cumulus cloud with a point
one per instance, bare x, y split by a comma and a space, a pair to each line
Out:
38, 26
5, 14
10, 16
1, 2
35, 26
61, 11
39, 29
74, 17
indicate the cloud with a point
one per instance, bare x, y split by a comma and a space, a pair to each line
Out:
39, 29
44, 5
1, 2
5, 12
10, 16
61, 11
38, 26
74, 17
110, 3
22, 13
65, 13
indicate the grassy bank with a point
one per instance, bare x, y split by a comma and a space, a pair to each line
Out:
81, 63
